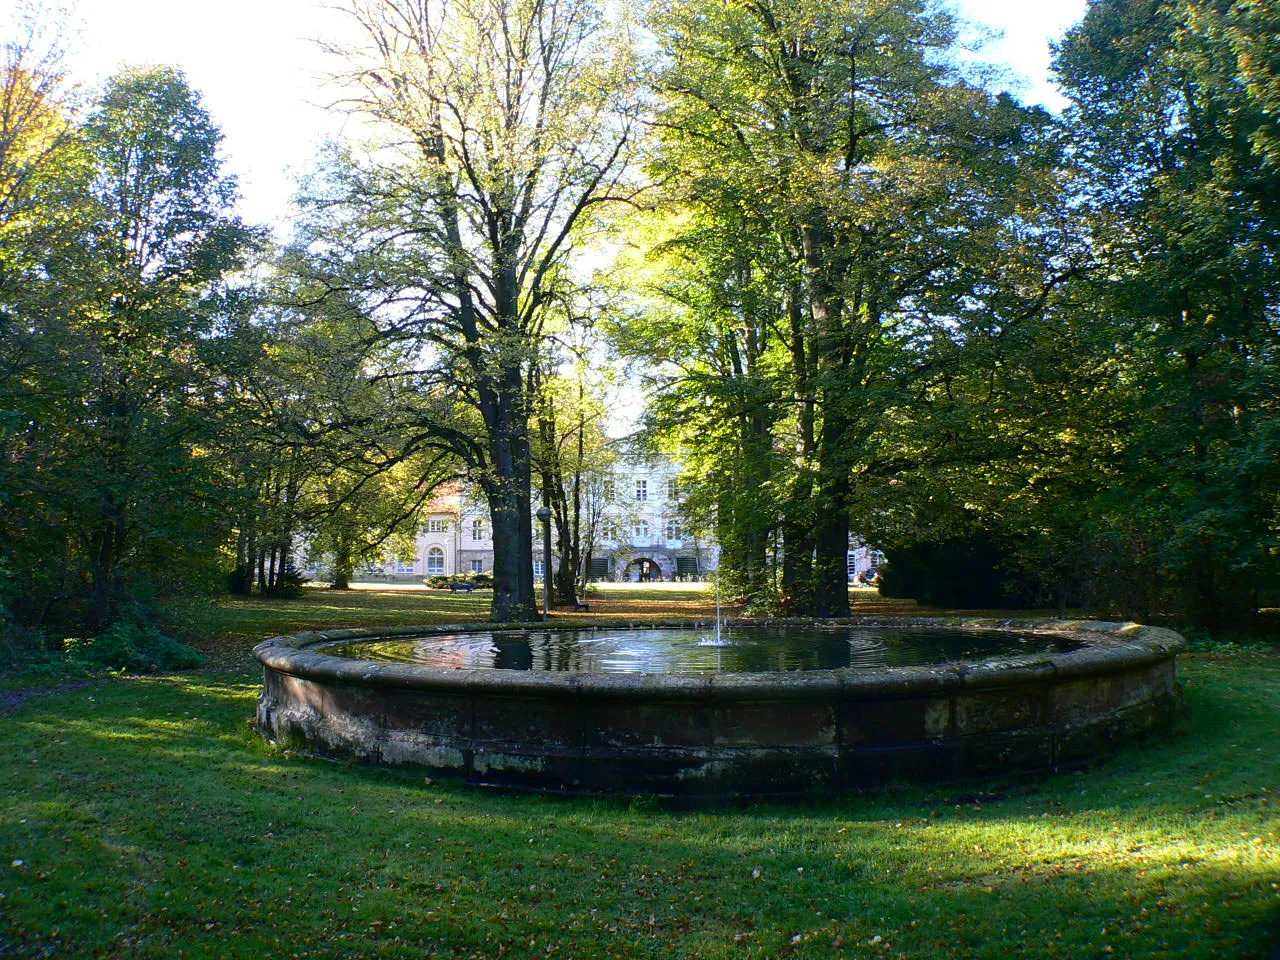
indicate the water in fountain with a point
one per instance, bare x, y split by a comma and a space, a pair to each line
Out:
718, 640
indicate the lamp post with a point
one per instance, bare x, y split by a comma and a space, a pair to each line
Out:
544, 515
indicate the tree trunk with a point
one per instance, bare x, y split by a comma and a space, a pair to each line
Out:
342, 569
241, 581
797, 513
831, 551
830, 596
513, 597
508, 490
555, 499
798, 545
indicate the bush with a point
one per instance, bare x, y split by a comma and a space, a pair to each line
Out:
478, 580
965, 572
290, 582
21, 646
765, 602
132, 648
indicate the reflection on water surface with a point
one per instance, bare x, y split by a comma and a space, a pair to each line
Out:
739, 649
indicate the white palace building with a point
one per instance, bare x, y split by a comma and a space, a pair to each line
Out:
640, 534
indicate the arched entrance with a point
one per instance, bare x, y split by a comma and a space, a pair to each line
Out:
643, 570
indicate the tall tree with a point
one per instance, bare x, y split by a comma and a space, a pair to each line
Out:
887, 186
572, 459
149, 310
43, 174
502, 129
333, 453
1172, 118
709, 338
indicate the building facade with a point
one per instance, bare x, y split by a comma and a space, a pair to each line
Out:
639, 533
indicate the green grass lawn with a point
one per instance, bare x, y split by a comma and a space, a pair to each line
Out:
142, 817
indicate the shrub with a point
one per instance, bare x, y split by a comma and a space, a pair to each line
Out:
965, 572
477, 580
134, 648
290, 582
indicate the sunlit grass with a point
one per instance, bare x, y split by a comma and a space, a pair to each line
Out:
144, 818
227, 629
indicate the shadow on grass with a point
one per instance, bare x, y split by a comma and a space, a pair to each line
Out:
144, 818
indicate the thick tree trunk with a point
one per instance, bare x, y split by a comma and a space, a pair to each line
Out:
508, 489
797, 513
797, 546
513, 596
831, 550
830, 588
241, 580
342, 570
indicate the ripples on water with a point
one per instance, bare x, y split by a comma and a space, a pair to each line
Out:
740, 649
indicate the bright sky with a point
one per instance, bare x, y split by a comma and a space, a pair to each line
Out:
260, 71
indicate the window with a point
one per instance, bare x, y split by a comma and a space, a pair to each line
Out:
477, 529
642, 490
640, 530
608, 530
435, 561
673, 530
610, 489
477, 566
404, 566
537, 569
436, 525
673, 488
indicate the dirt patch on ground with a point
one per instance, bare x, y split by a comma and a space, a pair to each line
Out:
11, 700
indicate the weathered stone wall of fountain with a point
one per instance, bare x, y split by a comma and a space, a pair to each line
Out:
726, 734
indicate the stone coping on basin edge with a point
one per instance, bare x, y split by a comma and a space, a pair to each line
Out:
1107, 645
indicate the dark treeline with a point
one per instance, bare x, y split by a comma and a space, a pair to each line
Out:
1030, 352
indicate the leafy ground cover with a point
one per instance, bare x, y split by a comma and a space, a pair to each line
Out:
142, 817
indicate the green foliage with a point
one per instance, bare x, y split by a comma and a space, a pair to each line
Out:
481, 581
969, 573
114, 347
852, 221
132, 648
925, 311
1172, 128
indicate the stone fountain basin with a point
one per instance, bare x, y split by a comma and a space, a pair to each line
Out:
727, 734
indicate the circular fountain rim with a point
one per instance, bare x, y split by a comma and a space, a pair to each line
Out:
1105, 645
